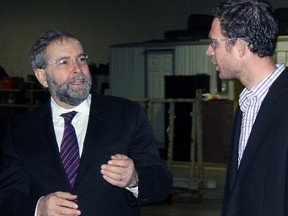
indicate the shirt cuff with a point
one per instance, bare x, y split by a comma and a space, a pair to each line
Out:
134, 191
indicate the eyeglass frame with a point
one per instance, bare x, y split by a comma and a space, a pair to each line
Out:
66, 58
213, 42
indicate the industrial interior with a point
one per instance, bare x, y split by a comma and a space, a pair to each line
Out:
190, 109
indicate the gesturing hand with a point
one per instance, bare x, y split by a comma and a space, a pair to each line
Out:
58, 204
120, 171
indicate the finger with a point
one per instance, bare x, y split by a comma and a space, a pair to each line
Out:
119, 157
114, 182
63, 199
113, 172
122, 162
68, 204
112, 168
67, 211
65, 195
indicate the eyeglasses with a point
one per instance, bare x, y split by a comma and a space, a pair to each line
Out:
215, 42
66, 63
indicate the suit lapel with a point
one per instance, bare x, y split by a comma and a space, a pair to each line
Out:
48, 138
233, 157
266, 114
93, 136
260, 127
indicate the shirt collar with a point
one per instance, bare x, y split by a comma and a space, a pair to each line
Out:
84, 108
261, 89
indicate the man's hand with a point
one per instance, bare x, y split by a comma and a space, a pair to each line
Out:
58, 204
120, 171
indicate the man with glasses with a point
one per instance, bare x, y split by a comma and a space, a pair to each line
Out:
81, 153
242, 41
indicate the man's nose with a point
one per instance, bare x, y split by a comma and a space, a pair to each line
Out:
210, 51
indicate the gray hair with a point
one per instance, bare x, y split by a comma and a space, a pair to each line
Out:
38, 50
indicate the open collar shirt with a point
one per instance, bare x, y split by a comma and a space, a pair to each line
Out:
250, 102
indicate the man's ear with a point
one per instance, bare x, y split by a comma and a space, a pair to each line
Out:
242, 47
41, 76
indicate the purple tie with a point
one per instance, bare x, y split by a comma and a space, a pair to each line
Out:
69, 150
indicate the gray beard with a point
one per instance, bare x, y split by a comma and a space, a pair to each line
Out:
66, 94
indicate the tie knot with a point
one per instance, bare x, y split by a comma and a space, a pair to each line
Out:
68, 116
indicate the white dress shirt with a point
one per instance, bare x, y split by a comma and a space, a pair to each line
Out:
80, 121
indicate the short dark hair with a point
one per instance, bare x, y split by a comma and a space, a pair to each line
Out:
252, 20
37, 53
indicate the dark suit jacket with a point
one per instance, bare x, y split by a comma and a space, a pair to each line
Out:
260, 186
32, 167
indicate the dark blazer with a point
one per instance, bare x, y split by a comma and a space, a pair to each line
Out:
260, 186
32, 166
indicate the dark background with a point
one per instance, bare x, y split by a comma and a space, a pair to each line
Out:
97, 23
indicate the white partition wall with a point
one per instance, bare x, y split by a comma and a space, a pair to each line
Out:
159, 63
127, 72
128, 77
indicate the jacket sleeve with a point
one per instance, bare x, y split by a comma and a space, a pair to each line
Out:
155, 181
14, 184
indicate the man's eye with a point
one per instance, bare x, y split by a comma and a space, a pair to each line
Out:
63, 62
82, 59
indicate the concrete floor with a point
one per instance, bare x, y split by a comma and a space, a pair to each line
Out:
192, 198
206, 207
